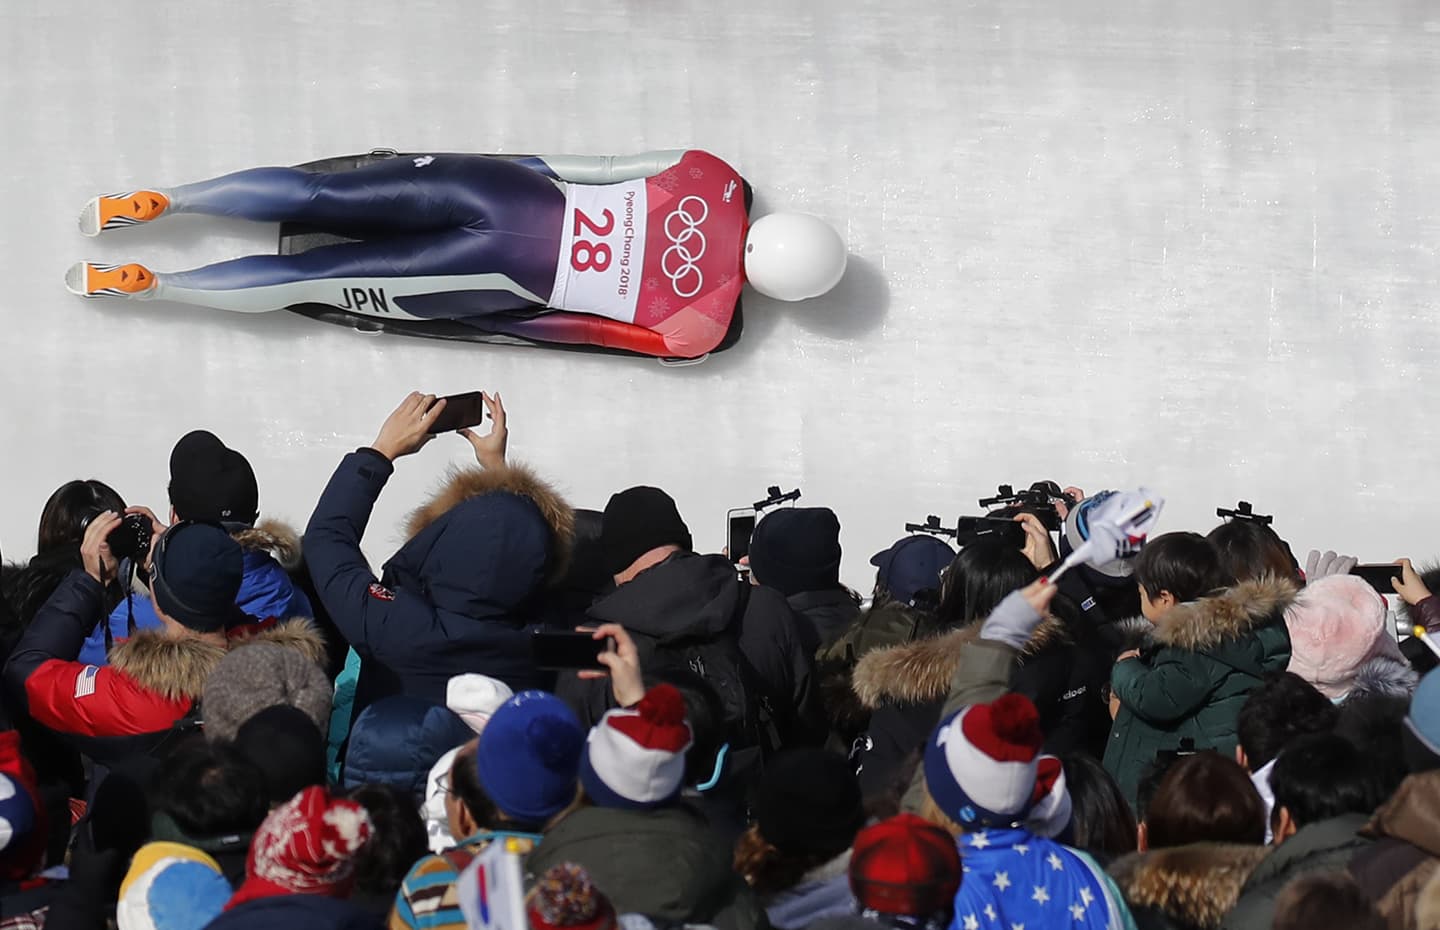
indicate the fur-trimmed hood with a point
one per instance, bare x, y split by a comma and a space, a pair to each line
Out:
1134, 633
274, 538
1195, 885
920, 671
1203, 624
464, 484
1385, 676
485, 543
176, 666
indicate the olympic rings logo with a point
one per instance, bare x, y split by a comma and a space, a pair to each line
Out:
688, 247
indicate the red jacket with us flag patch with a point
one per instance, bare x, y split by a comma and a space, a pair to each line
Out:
129, 707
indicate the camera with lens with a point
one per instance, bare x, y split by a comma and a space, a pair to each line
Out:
131, 539
1039, 500
973, 529
932, 527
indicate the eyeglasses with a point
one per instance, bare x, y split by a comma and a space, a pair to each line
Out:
442, 781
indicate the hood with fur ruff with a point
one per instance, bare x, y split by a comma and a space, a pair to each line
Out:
1384, 676
176, 666
1194, 885
1201, 625
465, 484
920, 671
276, 539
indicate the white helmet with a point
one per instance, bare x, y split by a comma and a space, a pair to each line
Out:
793, 256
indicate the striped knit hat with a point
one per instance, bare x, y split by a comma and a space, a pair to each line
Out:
635, 757
982, 762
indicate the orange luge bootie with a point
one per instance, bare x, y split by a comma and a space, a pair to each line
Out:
115, 210
90, 279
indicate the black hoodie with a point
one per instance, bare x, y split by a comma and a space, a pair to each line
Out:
692, 598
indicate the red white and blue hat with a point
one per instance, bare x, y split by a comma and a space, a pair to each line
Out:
635, 757
982, 763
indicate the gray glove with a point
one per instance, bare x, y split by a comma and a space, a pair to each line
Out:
1012, 622
1322, 566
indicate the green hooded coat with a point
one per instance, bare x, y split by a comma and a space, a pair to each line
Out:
1191, 679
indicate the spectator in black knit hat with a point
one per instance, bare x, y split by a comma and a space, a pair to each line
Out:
212, 483
121, 713
682, 608
287, 746
797, 552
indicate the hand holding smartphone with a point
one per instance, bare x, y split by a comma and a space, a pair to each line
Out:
1379, 576
461, 412
564, 650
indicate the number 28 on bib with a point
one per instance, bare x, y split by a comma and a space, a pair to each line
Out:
602, 250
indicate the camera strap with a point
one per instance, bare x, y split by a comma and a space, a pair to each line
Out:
127, 583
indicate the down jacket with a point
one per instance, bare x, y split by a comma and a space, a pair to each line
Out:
696, 599
131, 706
272, 551
905, 686
1185, 887
665, 863
458, 595
1406, 853
397, 739
1192, 677
1327, 846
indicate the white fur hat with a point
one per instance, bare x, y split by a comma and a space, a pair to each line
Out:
1337, 624
474, 698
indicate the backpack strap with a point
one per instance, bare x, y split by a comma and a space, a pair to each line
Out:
767, 736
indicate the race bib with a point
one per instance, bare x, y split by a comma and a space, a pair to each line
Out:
602, 250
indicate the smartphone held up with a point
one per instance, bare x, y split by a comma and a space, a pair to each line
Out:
1379, 576
462, 411
567, 650
739, 528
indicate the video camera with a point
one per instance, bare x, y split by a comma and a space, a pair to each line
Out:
775, 497
973, 529
968, 530
1039, 500
931, 526
1244, 511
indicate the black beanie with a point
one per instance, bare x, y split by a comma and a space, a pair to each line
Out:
196, 574
287, 746
212, 483
808, 801
797, 550
636, 521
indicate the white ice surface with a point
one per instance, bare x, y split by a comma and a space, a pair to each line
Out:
1186, 244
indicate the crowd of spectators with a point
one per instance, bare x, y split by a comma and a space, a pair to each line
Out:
211, 720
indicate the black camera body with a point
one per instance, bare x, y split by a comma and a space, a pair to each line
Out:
973, 529
131, 539
1039, 500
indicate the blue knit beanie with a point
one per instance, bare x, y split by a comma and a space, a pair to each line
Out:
196, 575
528, 757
